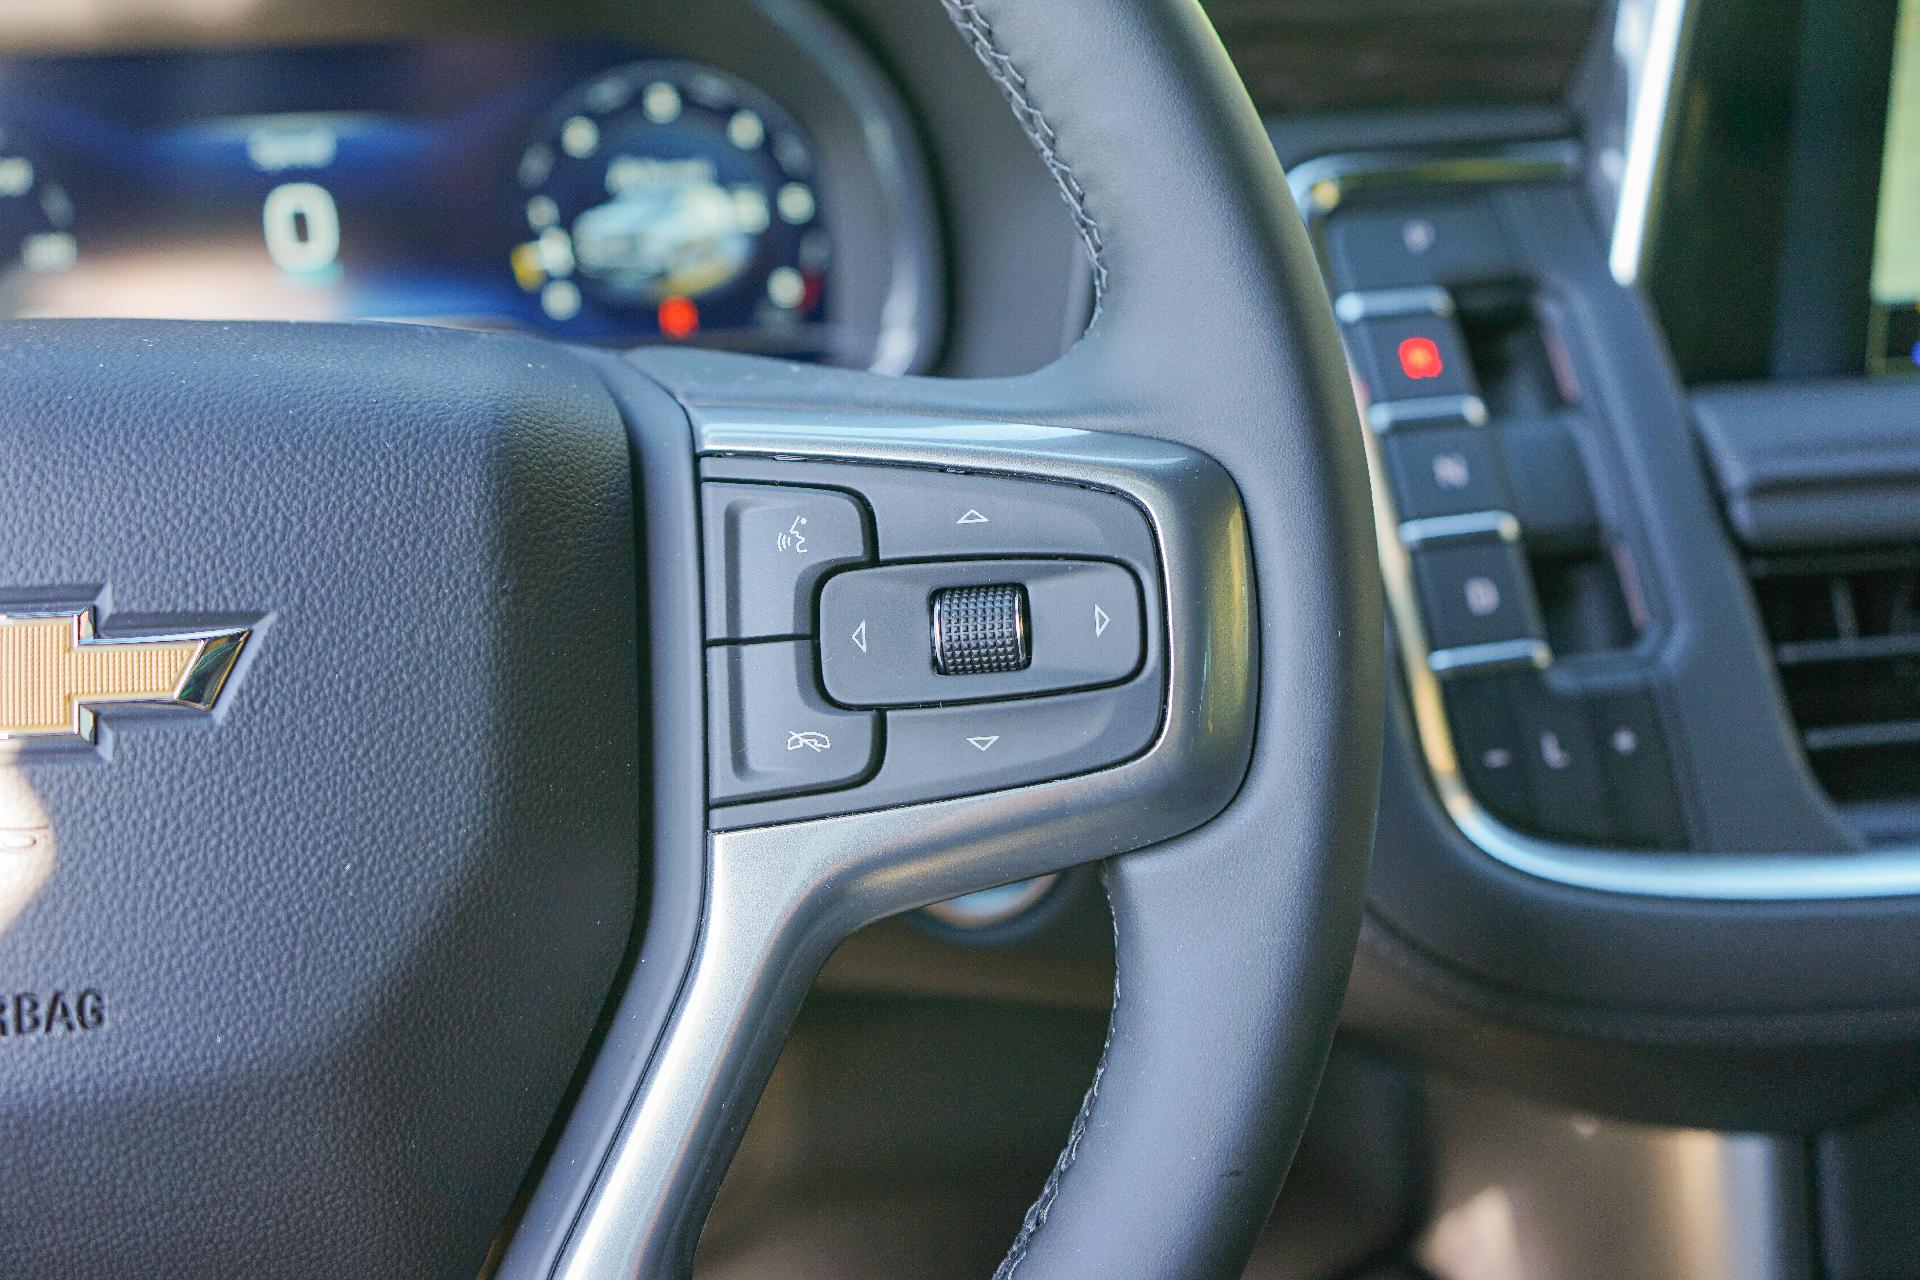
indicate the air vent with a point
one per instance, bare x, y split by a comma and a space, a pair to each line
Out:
1845, 629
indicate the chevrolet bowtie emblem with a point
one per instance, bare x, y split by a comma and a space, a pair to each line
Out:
54, 671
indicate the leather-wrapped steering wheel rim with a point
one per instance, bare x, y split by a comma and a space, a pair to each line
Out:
1212, 329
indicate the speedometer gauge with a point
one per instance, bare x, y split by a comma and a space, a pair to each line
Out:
670, 198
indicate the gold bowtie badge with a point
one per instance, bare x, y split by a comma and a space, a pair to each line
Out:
54, 671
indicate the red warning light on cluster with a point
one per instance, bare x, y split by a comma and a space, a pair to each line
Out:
679, 317
1420, 358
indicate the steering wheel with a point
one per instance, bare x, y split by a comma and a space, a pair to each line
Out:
364, 702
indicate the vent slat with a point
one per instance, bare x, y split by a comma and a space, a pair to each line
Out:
1796, 653
1845, 629
1854, 737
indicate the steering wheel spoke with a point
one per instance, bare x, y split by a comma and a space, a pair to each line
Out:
1209, 397
1157, 526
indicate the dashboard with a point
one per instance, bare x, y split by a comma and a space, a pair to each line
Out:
1580, 890
599, 189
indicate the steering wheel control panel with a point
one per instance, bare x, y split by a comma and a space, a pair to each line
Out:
1518, 615
883, 635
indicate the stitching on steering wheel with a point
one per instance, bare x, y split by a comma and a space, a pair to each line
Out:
1036, 1215
979, 37
978, 32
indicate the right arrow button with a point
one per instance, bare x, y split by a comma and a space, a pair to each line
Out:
1086, 623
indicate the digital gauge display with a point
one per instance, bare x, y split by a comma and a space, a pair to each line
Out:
668, 191
583, 189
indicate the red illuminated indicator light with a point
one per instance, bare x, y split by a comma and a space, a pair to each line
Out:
1420, 358
679, 318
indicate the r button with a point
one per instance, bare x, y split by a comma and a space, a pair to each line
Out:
1437, 242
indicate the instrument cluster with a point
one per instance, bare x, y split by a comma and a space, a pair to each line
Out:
592, 190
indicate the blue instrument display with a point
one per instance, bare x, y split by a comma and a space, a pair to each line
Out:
586, 189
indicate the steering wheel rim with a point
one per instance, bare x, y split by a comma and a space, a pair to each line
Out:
1211, 329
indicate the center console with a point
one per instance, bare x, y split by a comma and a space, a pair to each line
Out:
1643, 465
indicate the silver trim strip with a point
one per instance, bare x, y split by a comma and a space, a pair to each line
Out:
1319, 186
1498, 656
1389, 414
1364, 304
1431, 530
1648, 39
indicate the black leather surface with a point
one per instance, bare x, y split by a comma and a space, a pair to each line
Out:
1815, 466
352, 938
1233, 942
